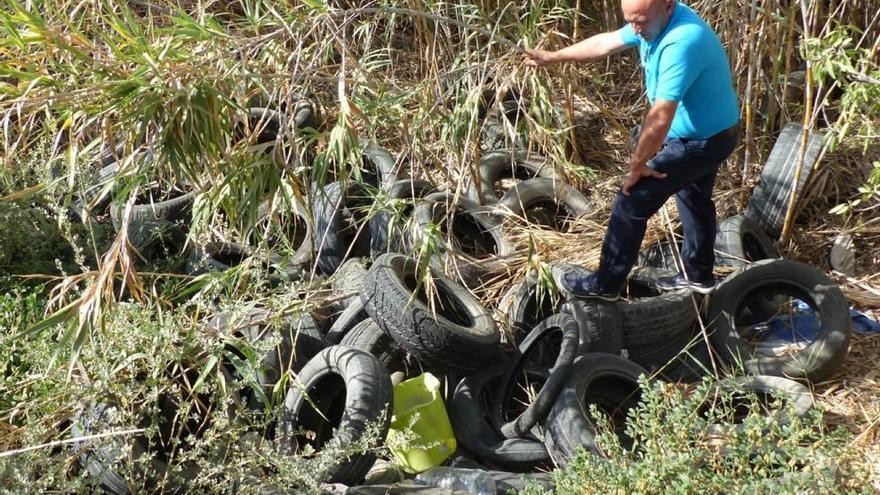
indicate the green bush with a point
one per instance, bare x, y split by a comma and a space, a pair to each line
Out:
682, 447
143, 359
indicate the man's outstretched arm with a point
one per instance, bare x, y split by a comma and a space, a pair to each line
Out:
593, 48
654, 131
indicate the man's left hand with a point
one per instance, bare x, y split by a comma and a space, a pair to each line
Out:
635, 175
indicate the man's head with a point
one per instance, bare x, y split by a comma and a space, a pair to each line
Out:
647, 17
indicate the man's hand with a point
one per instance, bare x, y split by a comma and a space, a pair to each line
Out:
635, 175
537, 58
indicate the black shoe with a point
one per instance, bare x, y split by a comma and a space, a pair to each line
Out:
678, 281
577, 282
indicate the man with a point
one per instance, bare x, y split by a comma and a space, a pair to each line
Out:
690, 129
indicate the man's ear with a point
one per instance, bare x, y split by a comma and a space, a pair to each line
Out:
670, 4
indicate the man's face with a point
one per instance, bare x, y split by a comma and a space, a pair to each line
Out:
647, 17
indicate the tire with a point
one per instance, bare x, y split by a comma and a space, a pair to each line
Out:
655, 357
338, 233
661, 255
558, 374
381, 164
349, 279
365, 400
299, 242
305, 115
271, 122
796, 395
387, 232
770, 198
157, 239
145, 459
529, 307
176, 209
100, 457
651, 315
564, 202
691, 364
494, 132
80, 206
300, 340
610, 382
515, 163
487, 250
820, 358
599, 324
460, 335
353, 314
474, 432
740, 240
218, 257
367, 336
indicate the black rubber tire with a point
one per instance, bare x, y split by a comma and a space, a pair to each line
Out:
365, 400
469, 223
302, 256
217, 257
271, 120
460, 336
660, 255
381, 161
336, 234
692, 363
527, 309
353, 314
607, 380
349, 278
568, 201
770, 198
538, 409
600, 325
473, 430
80, 204
368, 336
385, 237
494, 133
816, 361
656, 356
300, 340
177, 209
517, 163
659, 317
100, 457
795, 394
740, 241
156, 240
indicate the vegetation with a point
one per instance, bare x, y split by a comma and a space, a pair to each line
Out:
161, 89
678, 447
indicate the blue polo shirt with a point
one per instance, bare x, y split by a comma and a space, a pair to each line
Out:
687, 64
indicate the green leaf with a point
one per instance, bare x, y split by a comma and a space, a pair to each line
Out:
62, 315
212, 361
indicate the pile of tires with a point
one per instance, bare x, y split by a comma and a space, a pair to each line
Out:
573, 354
519, 393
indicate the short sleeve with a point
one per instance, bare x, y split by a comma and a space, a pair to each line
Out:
678, 67
628, 36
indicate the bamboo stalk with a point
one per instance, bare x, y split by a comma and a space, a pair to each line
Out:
805, 136
748, 103
774, 79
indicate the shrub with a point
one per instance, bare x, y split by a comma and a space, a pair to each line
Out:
682, 447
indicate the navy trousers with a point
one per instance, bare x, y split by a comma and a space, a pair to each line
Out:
691, 166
